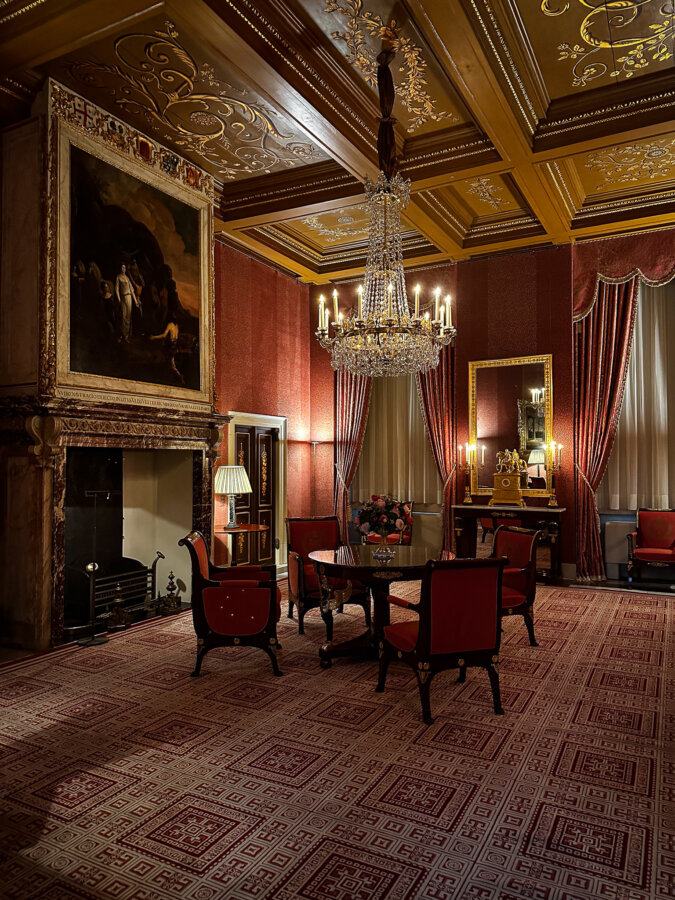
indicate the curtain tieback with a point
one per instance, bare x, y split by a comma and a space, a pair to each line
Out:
590, 487
339, 475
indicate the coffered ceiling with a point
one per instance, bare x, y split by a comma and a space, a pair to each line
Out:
519, 122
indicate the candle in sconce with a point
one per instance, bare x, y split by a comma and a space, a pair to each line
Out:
322, 301
467, 454
459, 454
448, 312
437, 299
482, 455
327, 319
335, 305
559, 455
360, 292
417, 301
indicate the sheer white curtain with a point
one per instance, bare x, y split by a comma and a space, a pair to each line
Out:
641, 468
396, 457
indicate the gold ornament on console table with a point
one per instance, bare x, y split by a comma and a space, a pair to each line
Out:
507, 479
555, 451
470, 463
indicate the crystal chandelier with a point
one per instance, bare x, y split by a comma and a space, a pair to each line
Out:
382, 336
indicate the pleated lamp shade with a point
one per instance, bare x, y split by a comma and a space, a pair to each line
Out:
232, 480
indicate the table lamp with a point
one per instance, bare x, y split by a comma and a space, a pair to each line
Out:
232, 480
536, 458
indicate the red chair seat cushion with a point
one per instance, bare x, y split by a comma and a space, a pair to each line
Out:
515, 579
656, 529
511, 598
250, 575
655, 554
402, 635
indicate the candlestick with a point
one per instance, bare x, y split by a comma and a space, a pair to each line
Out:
448, 312
559, 455
360, 292
437, 297
482, 455
459, 454
417, 301
322, 301
335, 305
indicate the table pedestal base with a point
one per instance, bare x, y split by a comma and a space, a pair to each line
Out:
365, 645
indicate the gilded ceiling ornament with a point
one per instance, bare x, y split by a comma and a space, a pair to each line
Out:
157, 78
487, 192
643, 28
344, 228
634, 162
411, 89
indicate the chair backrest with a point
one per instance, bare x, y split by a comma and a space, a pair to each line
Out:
656, 528
199, 552
312, 533
518, 544
460, 606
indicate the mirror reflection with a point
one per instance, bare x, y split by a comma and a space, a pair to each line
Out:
510, 410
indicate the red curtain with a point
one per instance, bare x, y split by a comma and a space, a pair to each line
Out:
352, 402
602, 347
434, 387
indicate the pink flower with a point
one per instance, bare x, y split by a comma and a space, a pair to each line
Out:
400, 524
380, 504
365, 528
383, 519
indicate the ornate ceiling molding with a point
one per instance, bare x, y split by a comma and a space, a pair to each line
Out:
487, 192
633, 162
346, 227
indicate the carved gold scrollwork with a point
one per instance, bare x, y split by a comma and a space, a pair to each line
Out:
411, 89
643, 28
156, 77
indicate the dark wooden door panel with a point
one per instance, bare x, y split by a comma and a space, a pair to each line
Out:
255, 449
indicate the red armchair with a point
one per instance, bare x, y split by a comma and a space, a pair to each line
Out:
303, 536
519, 584
653, 541
459, 625
236, 606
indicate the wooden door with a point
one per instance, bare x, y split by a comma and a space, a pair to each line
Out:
255, 449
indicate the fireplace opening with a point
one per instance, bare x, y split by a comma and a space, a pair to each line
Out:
122, 507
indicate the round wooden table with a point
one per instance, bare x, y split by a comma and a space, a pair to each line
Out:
358, 563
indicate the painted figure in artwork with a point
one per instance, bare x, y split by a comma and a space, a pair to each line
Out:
127, 299
170, 338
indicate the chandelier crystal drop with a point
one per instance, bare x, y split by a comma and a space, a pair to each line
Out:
381, 336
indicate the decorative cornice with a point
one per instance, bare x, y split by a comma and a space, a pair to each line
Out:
15, 13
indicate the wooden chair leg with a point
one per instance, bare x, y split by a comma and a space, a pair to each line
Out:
382, 675
275, 665
493, 674
301, 618
290, 609
461, 678
365, 605
201, 653
529, 624
424, 685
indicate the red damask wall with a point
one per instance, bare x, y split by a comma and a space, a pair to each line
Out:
263, 356
521, 305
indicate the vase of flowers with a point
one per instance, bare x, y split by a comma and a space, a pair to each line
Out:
383, 516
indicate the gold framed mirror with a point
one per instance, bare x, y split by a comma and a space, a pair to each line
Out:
511, 407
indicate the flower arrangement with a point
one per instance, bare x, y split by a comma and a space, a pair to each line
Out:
383, 515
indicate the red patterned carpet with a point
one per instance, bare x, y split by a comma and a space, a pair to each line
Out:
124, 778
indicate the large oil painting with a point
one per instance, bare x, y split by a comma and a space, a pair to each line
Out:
134, 278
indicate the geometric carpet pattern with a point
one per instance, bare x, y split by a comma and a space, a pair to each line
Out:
122, 777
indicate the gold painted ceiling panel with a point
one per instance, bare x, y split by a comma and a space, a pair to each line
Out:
585, 44
163, 84
647, 164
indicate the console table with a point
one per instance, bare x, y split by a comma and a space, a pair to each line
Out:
546, 518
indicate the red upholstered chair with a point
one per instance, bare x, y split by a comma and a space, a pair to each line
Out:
233, 606
519, 585
490, 523
459, 625
653, 541
305, 534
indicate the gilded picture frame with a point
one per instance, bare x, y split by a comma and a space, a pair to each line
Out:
474, 367
143, 362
